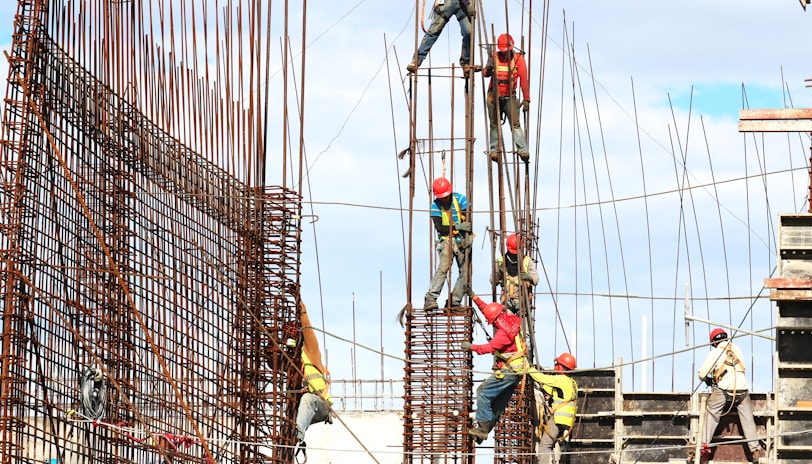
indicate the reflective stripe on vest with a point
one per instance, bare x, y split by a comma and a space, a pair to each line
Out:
563, 410
505, 75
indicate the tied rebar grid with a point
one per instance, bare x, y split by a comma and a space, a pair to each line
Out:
125, 251
438, 382
514, 434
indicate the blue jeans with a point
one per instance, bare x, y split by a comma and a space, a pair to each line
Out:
510, 107
493, 395
312, 410
442, 14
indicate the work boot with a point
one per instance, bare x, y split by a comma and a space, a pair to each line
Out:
525, 156
412, 67
468, 67
480, 433
757, 453
494, 155
430, 305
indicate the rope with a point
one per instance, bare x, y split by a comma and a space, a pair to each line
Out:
422, 16
94, 392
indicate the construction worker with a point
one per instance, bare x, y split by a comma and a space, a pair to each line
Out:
509, 70
724, 371
511, 276
316, 403
443, 11
508, 347
560, 393
448, 212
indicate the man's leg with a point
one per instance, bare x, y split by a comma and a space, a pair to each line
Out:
438, 280
431, 36
494, 117
500, 402
465, 31
305, 414
747, 421
515, 123
549, 436
461, 285
716, 403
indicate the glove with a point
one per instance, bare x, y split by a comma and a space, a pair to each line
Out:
525, 276
525, 106
473, 296
709, 380
464, 226
466, 346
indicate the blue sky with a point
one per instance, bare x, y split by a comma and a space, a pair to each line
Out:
629, 57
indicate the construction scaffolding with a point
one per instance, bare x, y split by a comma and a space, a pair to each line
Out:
147, 292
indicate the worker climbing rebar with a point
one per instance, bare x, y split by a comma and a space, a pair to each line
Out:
448, 212
443, 10
511, 276
509, 70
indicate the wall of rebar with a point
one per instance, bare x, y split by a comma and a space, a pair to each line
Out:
126, 253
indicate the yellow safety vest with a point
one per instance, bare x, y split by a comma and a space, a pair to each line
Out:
315, 381
563, 410
512, 283
446, 213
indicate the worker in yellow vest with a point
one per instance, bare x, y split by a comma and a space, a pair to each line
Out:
448, 213
512, 275
559, 407
315, 404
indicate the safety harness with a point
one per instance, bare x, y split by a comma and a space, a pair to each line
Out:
732, 362
558, 404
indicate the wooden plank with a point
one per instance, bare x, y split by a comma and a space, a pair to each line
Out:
791, 295
778, 282
773, 114
775, 126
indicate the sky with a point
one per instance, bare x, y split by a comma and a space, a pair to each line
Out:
640, 100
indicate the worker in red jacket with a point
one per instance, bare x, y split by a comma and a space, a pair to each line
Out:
508, 346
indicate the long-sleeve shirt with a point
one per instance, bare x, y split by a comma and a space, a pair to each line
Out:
509, 63
734, 377
502, 341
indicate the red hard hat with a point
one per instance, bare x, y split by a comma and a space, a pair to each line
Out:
441, 187
505, 43
717, 335
512, 244
566, 360
491, 311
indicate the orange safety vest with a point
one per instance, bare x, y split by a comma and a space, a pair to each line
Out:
506, 74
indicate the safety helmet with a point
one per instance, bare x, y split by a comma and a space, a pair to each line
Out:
512, 244
504, 43
491, 311
441, 187
718, 335
566, 361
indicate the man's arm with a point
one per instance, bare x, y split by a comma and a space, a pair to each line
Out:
709, 363
499, 342
521, 69
531, 269
438, 225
